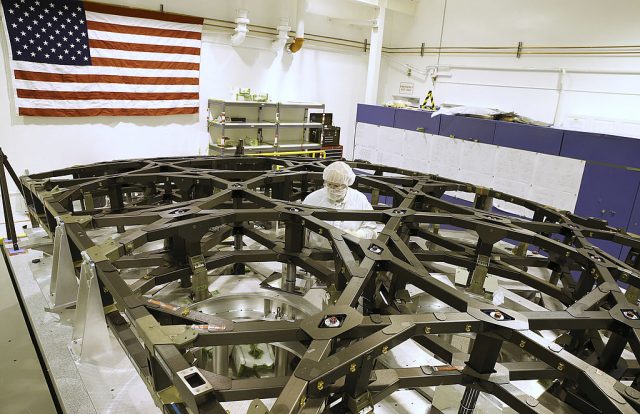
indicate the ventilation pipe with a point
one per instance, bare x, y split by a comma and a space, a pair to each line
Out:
299, 39
283, 35
241, 29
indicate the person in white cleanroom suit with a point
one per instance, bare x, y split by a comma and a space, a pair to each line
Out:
337, 194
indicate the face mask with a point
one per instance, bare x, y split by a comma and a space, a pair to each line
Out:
337, 194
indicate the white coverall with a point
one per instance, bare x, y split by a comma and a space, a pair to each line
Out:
354, 200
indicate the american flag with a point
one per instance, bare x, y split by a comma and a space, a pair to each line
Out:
75, 58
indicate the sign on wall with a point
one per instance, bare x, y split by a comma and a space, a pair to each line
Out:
406, 88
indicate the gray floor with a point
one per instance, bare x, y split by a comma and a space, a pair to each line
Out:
23, 388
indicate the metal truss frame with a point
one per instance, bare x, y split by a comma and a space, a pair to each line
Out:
195, 203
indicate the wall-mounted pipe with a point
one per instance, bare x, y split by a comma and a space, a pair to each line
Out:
241, 27
283, 35
299, 39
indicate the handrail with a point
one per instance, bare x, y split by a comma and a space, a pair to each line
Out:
313, 153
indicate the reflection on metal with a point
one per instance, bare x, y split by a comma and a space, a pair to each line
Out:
563, 318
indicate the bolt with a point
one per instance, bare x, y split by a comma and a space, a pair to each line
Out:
303, 401
630, 314
523, 343
398, 211
385, 349
467, 328
352, 367
375, 249
185, 312
593, 271
427, 329
320, 385
560, 366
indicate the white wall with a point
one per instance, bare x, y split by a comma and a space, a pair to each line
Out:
589, 101
313, 74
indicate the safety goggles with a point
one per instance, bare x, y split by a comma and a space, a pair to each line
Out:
333, 186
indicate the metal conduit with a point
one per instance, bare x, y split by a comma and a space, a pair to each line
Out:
622, 50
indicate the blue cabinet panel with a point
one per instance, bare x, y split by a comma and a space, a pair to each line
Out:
634, 223
376, 115
481, 130
528, 137
608, 193
412, 120
602, 148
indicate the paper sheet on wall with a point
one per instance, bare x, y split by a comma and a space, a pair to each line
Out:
547, 179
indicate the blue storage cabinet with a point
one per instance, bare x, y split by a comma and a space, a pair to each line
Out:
376, 115
413, 120
608, 193
634, 223
528, 137
610, 149
463, 127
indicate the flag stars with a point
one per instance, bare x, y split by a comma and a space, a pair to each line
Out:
73, 58
14, 25
73, 14
79, 52
72, 45
29, 27
39, 49
77, 40
32, 8
26, 14
11, 11
55, 19
66, 51
31, 41
47, 55
86, 58
20, 19
33, 54
60, 57
79, 8
49, 24
37, 35
81, 21
19, 52
46, 10
45, 43
64, 39
17, 39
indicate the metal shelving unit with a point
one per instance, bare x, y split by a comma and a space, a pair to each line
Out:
272, 126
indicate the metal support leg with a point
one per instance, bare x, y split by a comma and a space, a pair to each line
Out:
221, 360
238, 268
199, 280
90, 337
468, 402
6, 204
64, 284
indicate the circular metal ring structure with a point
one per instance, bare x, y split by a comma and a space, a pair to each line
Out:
569, 313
